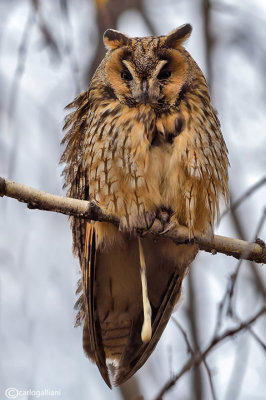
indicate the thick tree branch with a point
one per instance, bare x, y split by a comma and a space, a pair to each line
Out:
80, 208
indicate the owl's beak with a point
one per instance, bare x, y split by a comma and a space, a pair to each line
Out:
145, 93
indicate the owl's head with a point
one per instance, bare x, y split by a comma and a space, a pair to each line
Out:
149, 70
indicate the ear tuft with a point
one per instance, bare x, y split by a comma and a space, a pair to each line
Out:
178, 36
114, 39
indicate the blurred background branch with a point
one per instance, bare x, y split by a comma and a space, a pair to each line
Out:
196, 359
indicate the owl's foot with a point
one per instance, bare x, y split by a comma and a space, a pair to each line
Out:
159, 223
169, 227
174, 226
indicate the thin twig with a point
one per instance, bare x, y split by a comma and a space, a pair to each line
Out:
225, 305
199, 357
235, 274
189, 347
210, 378
253, 334
193, 314
191, 351
221, 309
69, 48
244, 196
47, 33
12, 103
209, 40
81, 208
253, 268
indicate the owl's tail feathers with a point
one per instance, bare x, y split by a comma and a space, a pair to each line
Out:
146, 331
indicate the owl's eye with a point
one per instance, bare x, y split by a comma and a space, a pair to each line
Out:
164, 74
126, 75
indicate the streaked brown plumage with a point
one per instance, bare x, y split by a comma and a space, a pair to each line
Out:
144, 138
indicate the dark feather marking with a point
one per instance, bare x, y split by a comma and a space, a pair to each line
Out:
115, 202
182, 94
105, 170
158, 43
209, 138
96, 170
179, 124
101, 132
102, 152
187, 104
115, 337
113, 36
115, 329
106, 113
123, 151
112, 141
129, 161
99, 185
157, 138
109, 92
126, 214
115, 346
170, 137
126, 54
178, 35
86, 193
189, 208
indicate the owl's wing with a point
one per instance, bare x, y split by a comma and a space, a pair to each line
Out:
85, 247
137, 353
92, 331
83, 231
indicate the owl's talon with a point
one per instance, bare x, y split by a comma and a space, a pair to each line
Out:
190, 241
141, 232
155, 229
171, 225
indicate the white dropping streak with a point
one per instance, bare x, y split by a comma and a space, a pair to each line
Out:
146, 327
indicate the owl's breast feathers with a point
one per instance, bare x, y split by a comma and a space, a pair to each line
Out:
136, 159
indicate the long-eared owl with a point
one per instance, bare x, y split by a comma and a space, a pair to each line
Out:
143, 142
